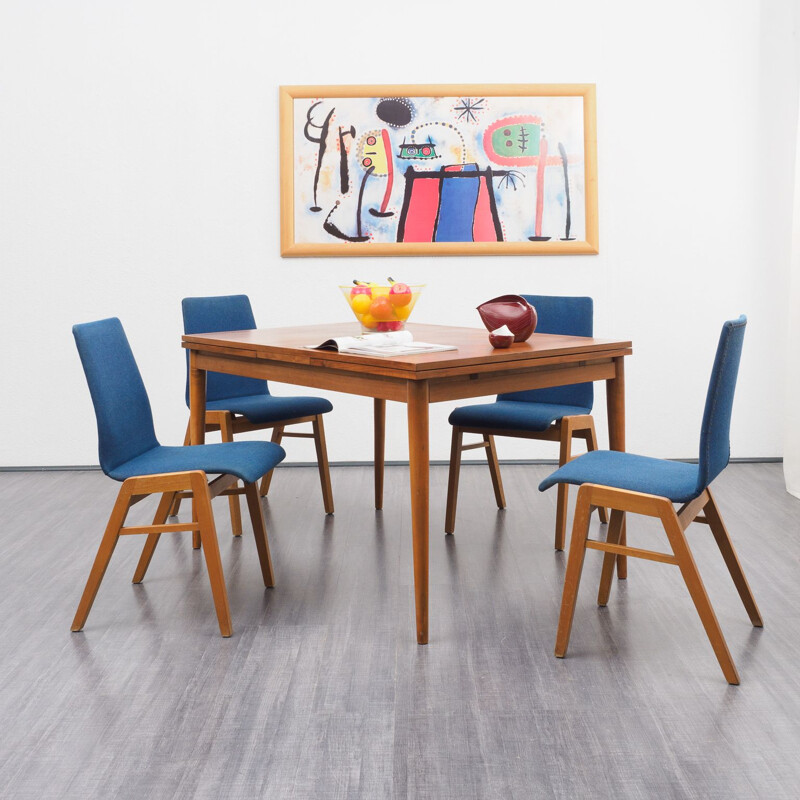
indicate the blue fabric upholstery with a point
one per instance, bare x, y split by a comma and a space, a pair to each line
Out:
249, 397
268, 408
222, 313
537, 409
512, 415
127, 439
715, 446
677, 481
568, 316
124, 418
247, 460
673, 479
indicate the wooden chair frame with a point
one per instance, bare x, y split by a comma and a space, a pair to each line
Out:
702, 509
562, 431
230, 424
174, 486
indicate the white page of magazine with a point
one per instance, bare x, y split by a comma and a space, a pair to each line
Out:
390, 343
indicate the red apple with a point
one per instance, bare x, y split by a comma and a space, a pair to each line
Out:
360, 290
400, 294
390, 325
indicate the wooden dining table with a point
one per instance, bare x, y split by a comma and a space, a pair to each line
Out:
474, 369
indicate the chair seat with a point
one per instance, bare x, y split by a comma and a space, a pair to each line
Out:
513, 415
258, 408
675, 480
247, 460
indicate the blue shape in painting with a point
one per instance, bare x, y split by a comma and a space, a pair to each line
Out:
457, 205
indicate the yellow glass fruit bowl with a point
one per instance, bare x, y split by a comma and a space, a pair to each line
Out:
380, 309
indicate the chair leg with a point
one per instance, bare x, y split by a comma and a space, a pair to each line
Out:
164, 506
277, 436
226, 432
572, 579
260, 532
452, 480
697, 590
202, 514
322, 464
725, 545
104, 553
609, 559
173, 512
494, 471
563, 489
622, 561
176, 502
591, 444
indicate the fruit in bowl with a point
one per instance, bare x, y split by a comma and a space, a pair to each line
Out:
381, 308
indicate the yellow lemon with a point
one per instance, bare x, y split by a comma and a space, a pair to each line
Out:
360, 303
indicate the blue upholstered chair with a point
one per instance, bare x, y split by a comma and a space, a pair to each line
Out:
235, 404
650, 486
130, 453
556, 414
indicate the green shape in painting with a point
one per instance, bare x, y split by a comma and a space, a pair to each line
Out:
517, 141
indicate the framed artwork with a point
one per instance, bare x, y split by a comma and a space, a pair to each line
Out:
438, 170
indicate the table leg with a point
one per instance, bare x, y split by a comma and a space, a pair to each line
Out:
419, 467
615, 402
380, 449
197, 415
197, 402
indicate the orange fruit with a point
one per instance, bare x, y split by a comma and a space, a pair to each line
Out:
381, 308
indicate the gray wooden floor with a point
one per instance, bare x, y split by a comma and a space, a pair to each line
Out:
323, 693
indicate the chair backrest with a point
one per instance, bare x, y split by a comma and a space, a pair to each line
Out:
715, 445
124, 418
571, 316
223, 313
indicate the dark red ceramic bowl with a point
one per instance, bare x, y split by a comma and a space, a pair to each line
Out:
511, 310
499, 341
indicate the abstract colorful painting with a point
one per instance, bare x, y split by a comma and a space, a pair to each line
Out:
409, 170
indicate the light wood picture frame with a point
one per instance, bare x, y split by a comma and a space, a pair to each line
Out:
451, 169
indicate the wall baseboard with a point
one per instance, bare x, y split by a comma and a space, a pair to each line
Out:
435, 463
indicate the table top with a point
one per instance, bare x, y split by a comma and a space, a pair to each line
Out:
474, 350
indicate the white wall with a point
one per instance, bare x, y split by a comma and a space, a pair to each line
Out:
139, 158
791, 459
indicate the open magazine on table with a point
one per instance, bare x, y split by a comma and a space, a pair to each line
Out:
384, 345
